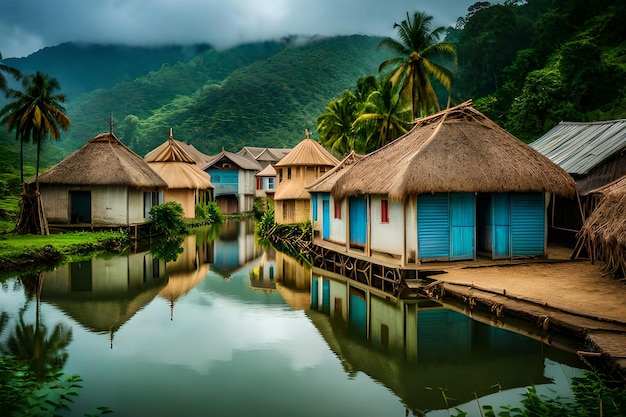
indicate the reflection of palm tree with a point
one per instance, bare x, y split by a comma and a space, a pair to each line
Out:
45, 353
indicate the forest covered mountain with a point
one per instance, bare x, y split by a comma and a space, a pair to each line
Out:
526, 64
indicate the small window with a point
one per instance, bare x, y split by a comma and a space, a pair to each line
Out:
280, 175
384, 211
337, 209
270, 184
288, 173
259, 183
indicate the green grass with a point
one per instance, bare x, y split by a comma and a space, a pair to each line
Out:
28, 251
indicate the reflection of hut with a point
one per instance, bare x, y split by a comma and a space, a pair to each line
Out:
593, 154
304, 164
103, 294
603, 234
263, 275
448, 355
104, 183
187, 183
291, 273
456, 184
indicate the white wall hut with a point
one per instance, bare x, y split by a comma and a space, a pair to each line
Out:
456, 184
104, 183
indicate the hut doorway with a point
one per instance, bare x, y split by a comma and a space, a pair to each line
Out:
358, 222
326, 217
80, 207
511, 224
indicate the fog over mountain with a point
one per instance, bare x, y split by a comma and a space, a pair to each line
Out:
29, 25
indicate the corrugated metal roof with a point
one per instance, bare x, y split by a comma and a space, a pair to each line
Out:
579, 147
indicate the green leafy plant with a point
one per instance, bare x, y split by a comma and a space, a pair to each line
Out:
168, 218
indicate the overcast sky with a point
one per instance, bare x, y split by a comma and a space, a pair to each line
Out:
29, 25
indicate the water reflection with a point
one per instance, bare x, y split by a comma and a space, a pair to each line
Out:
429, 355
225, 320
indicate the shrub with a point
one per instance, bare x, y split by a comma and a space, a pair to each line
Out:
168, 218
210, 211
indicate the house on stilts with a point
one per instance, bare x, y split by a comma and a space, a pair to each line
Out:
102, 184
187, 183
455, 186
303, 165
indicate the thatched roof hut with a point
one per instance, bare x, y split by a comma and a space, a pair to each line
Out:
177, 167
104, 160
456, 150
603, 234
326, 182
308, 153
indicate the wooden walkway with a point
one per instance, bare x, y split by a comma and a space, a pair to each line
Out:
570, 297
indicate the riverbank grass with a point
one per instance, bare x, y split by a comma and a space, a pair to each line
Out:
25, 251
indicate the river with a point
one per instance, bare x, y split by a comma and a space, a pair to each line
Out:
222, 327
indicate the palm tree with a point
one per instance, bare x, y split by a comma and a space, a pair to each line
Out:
9, 70
335, 125
412, 69
383, 117
34, 114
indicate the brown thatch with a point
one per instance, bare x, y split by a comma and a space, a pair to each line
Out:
456, 150
104, 160
177, 167
292, 190
308, 153
603, 234
326, 182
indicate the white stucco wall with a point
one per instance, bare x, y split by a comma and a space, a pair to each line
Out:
385, 313
411, 229
338, 226
387, 237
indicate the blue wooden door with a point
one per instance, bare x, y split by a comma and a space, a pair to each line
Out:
358, 313
527, 224
501, 225
325, 217
325, 296
462, 226
433, 226
358, 221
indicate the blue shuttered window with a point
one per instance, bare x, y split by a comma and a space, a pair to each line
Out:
433, 226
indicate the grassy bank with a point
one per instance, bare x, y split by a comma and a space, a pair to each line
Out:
26, 252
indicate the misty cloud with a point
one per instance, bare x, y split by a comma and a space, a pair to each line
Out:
28, 25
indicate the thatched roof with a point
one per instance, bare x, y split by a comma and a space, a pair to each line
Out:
104, 160
291, 190
604, 231
456, 150
326, 182
308, 153
172, 162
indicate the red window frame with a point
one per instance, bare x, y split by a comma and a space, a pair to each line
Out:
384, 211
337, 209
